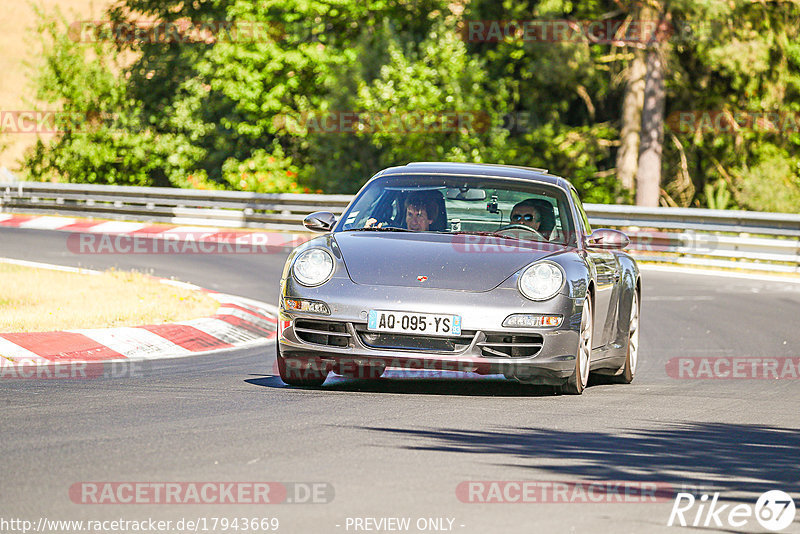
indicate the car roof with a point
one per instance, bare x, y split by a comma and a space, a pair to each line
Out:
479, 169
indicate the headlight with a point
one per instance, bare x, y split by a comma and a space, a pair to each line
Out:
313, 267
541, 281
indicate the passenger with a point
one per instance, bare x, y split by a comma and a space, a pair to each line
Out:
527, 213
536, 214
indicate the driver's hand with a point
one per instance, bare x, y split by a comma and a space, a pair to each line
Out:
371, 222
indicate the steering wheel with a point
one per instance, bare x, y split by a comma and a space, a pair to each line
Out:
521, 227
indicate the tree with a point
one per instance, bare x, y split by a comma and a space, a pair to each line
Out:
562, 88
734, 76
648, 173
99, 139
232, 112
631, 118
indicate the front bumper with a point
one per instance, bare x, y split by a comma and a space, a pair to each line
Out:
342, 337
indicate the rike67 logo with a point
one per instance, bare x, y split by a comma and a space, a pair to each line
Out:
774, 511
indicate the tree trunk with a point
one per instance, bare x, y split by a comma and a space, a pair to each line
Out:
628, 154
648, 176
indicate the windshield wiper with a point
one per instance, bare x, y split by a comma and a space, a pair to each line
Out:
489, 234
378, 229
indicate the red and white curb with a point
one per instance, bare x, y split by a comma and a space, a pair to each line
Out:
238, 322
90, 236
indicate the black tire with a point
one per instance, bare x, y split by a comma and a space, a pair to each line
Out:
632, 356
294, 374
576, 383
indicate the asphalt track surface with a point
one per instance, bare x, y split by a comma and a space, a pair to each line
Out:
400, 447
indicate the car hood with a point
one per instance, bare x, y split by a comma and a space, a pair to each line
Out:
460, 262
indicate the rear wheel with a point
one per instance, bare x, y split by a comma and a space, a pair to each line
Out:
632, 357
297, 372
577, 382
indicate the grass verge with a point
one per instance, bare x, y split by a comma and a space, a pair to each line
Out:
39, 300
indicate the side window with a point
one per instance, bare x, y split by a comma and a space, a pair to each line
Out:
587, 228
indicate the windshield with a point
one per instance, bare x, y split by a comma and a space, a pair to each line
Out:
461, 204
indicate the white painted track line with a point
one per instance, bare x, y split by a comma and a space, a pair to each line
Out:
48, 266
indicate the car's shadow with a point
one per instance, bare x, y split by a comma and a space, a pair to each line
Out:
730, 458
422, 382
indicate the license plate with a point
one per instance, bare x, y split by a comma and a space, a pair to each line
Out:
431, 324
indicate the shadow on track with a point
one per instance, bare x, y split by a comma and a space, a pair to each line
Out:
746, 459
416, 383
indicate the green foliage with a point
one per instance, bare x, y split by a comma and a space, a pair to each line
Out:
263, 172
438, 101
740, 59
103, 136
563, 90
238, 114
576, 153
718, 196
95, 145
773, 184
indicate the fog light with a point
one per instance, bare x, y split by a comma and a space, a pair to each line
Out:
532, 320
311, 306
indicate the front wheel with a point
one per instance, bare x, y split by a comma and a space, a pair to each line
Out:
296, 372
580, 376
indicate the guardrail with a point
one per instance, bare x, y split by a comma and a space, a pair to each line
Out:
709, 238
230, 209
701, 237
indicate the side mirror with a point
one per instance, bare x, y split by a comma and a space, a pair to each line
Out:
320, 221
608, 239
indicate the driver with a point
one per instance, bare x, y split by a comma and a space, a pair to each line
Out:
421, 210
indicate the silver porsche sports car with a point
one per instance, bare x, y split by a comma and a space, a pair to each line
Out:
488, 269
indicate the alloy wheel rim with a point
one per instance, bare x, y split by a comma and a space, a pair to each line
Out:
586, 342
633, 343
